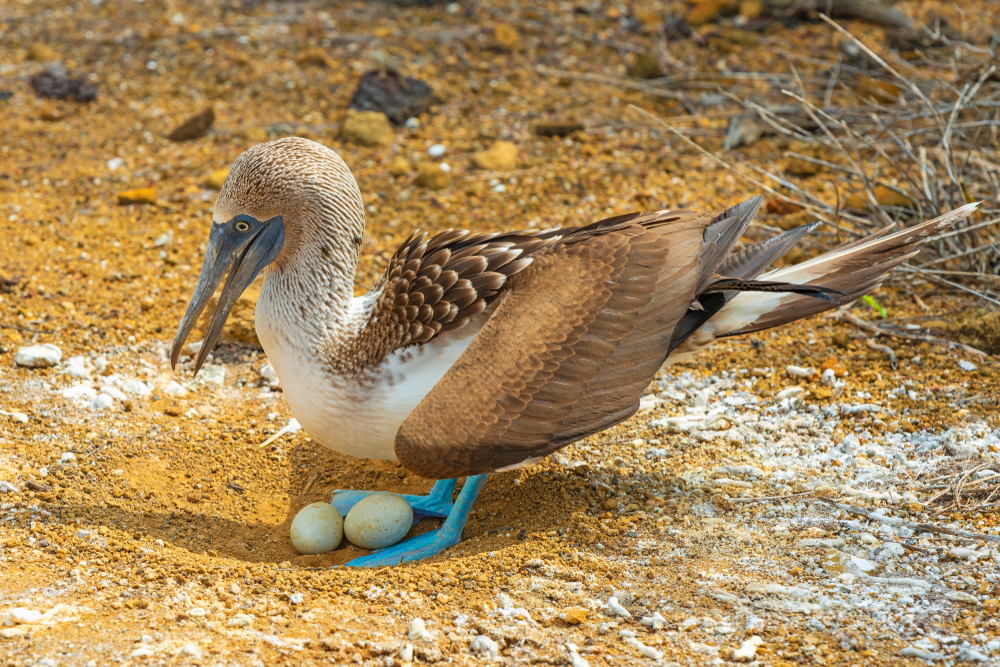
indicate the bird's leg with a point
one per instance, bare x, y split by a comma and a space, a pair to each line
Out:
436, 504
434, 542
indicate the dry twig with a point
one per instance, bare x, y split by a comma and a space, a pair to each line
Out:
926, 527
875, 330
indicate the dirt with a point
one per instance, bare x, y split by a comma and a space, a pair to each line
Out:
170, 523
979, 328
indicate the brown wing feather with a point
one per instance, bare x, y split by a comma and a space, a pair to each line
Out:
572, 344
436, 284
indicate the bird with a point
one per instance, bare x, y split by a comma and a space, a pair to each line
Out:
483, 352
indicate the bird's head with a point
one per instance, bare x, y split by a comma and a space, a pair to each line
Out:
279, 198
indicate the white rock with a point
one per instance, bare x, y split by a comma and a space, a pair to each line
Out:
115, 163
38, 356
241, 621
483, 644
789, 392
102, 402
136, 388
21, 615
962, 596
701, 398
79, 367
914, 652
191, 651
648, 402
270, 375
829, 377
969, 555
574, 658
799, 371
969, 654
444, 166
406, 652
755, 625
174, 388
142, 652
747, 650
7, 487
418, 631
317, 529
166, 238
113, 392
617, 609
79, 392
18, 417
656, 621
437, 150
967, 366
212, 374
377, 521
645, 651
813, 542
67, 457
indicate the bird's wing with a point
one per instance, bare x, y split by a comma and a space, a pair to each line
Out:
435, 284
574, 340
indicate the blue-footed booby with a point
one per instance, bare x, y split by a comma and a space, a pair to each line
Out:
484, 352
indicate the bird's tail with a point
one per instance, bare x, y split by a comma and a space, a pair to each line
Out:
842, 275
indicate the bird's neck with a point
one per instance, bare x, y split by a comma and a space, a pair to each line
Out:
307, 298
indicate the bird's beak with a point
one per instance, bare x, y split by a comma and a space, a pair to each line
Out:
243, 246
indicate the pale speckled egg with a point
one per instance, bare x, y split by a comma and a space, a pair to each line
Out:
317, 529
378, 521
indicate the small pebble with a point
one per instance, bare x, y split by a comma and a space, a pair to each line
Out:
483, 644
406, 652
317, 529
747, 650
192, 651
378, 521
20, 615
617, 609
417, 631
967, 366
241, 621
437, 150
45, 355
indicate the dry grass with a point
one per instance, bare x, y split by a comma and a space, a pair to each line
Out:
897, 144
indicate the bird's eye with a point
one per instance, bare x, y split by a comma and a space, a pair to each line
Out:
242, 226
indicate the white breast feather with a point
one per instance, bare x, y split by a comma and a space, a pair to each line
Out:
355, 418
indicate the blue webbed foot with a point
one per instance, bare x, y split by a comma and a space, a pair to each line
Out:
431, 543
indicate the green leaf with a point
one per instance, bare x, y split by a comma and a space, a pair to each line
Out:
877, 306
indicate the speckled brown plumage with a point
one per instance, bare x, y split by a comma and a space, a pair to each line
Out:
434, 285
583, 329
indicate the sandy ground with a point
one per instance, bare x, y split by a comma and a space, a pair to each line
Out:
149, 526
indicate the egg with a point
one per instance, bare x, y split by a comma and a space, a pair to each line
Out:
317, 528
378, 521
